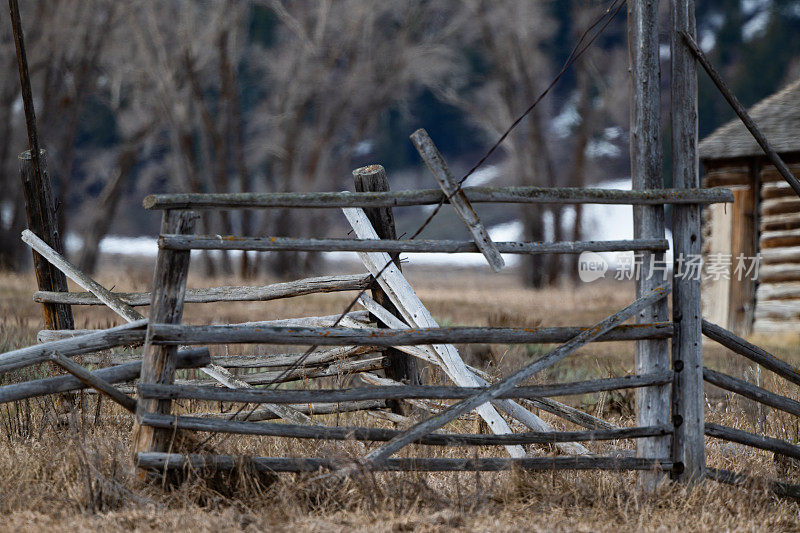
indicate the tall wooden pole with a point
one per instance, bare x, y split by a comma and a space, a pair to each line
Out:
652, 403
402, 367
687, 355
39, 205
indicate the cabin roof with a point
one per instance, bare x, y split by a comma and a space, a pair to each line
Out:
777, 116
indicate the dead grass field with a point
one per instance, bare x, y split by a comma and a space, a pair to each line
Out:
74, 471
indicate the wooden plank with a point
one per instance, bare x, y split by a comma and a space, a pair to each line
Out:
740, 110
312, 409
788, 221
779, 488
271, 244
450, 186
780, 206
322, 284
427, 426
524, 195
394, 392
302, 373
221, 375
60, 262
166, 306
296, 431
751, 351
780, 238
748, 390
652, 403
94, 381
743, 244
781, 309
372, 178
168, 334
40, 211
193, 358
756, 441
778, 189
165, 461
785, 272
100, 340
778, 291
309, 321
687, 357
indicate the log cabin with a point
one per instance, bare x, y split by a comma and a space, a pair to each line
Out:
764, 219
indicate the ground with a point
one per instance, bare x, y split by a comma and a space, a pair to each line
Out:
62, 468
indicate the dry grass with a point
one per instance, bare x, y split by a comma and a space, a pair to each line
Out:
74, 471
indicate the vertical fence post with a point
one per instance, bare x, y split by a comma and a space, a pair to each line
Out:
652, 403
402, 367
166, 307
40, 211
687, 356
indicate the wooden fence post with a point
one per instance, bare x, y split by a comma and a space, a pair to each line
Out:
402, 367
687, 355
652, 403
166, 307
41, 215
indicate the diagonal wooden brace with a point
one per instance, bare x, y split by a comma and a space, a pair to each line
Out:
423, 428
427, 150
92, 380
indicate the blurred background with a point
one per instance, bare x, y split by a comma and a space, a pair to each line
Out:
143, 96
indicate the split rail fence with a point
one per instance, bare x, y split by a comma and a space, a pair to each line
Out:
395, 329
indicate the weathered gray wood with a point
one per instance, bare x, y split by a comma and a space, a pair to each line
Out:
756, 441
740, 110
450, 186
167, 461
100, 340
92, 380
60, 262
748, 390
544, 195
316, 358
402, 367
394, 392
269, 429
687, 358
282, 376
261, 414
516, 411
570, 414
232, 334
751, 351
652, 403
166, 306
779, 488
509, 383
41, 216
271, 244
222, 376
194, 358
358, 317
345, 282
446, 356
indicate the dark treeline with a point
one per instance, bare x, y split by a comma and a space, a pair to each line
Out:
206, 96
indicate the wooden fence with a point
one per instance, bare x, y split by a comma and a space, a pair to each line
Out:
671, 424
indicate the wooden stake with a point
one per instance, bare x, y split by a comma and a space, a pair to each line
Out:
166, 306
688, 444
652, 403
402, 367
427, 150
